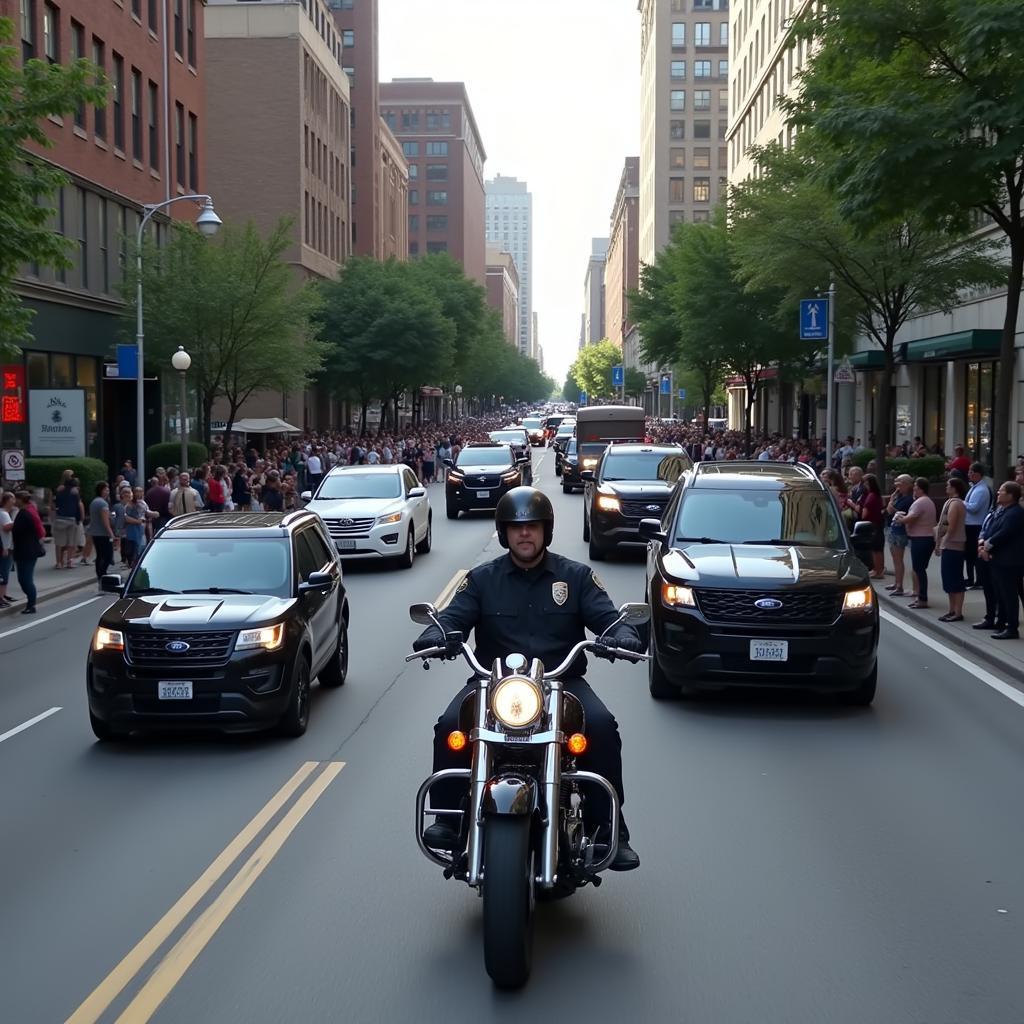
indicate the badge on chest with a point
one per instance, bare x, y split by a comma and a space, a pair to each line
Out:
560, 592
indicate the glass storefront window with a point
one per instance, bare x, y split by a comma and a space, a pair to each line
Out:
933, 429
38, 369
61, 375
979, 400
85, 377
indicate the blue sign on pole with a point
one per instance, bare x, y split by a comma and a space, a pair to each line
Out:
682, 394
127, 362
618, 376
666, 384
583, 398
814, 319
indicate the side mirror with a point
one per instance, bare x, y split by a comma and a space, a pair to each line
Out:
650, 529
417, 492
424, 614
587, 476
320, 582
306, 495
111, 583
450, 463
862, 534
635, 613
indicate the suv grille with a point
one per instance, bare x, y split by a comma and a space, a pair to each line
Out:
798, 607
641, 509
149, 647
339, 528
482, 481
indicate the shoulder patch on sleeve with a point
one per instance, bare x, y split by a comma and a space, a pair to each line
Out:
597, 582
464, 585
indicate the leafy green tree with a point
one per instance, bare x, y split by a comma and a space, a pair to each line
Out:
592, 369
28, 95
636, 383
921, 106
570, 392
787, 226
233, 304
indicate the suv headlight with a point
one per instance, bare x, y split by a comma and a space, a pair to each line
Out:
395, 517
517, 702
677, 597
108, 639
269, 638
858, 600
589, 463
510, 476
608, 503
455, 478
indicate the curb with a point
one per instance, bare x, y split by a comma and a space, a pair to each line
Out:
59, 591
953, 638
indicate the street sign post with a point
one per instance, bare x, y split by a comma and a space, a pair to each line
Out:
814, 318
682, 394
13, 461
583, 398
845, 373
619, 381
818, 323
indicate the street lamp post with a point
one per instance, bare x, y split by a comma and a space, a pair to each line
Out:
208, 222
458, 401
181, 361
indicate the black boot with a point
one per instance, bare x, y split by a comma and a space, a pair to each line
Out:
442, 835
626, 858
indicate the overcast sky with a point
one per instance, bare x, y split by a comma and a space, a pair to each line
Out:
554, 86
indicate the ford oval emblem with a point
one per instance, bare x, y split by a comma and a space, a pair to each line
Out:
768, 604
177, 647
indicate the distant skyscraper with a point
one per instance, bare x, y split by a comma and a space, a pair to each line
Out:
593, 293
510, 227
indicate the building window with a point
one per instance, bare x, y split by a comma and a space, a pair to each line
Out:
348, 38
702, 129
83, 236
679, 69
179, 28
437, 172
154, 125
702, 33
437, 246
190, 39
51, 33
137, 9
676, 217
677, 190
678, 6
137, 114
117, 100
179, 143
28, 29
77, 52
677, 129
677, 159
701, 216
723, 158
122, 241
723, 69
410, 120
439, 119
435, 198
414, 171
104, 247
702, 158
414, 248
351, 72
678, 33
305, 217
193, 152
437, 222
702, 190
701, 99
414, 197
677, 99
414, 223
723, 127
152, 15
723, 34
723, 101
702, 69
99, 113
437, 149
411, 149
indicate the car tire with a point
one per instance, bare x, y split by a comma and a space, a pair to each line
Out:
428, 538
334, 673
295, 720
406, 559
657, 682
586, 528
864, 692
451, 511
596, 552
100, 729
566, 488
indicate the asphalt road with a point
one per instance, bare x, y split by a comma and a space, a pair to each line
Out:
800, 862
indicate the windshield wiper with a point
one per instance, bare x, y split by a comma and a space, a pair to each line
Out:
216, 590
778, 542
700, 540
151, 590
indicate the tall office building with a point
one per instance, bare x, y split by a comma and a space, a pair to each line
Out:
622, 266
593, 293
434, 123
503, 291
510, 227
684, 110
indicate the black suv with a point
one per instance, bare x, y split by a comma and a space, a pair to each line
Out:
479, 477
519, 441
630, 483
754, 582
223, 624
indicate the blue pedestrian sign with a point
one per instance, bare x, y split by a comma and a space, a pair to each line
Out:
682, 394
814, 319
618, 376
583, 398
666, 385
127, 362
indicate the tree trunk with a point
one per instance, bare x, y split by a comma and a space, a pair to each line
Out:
363, 406
1001, 415
205, 416
883, 409
748, 413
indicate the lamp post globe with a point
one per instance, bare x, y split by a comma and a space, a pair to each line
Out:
208, 222
181, 360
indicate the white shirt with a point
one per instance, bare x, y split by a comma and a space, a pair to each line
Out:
313, 465
372, 458
6, 537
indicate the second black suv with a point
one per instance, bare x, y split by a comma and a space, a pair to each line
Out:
631, 482
479, 477
754, 582
223, 624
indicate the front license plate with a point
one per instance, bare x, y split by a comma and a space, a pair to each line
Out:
482, 494
769, 650
346, 545
174, 691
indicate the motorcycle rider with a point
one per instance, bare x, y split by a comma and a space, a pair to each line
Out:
537, 603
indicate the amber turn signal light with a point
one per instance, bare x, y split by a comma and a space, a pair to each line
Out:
457, 740
577, 743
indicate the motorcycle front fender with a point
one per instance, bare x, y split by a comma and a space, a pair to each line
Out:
509, 794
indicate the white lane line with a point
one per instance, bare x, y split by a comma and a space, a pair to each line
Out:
28, 725
47, 618
979, 673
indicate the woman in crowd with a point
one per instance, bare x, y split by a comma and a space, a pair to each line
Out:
871, 512
7, 514
899, 501
950, 543
919, 522
27, 534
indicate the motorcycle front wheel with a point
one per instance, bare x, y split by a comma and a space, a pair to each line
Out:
508, 900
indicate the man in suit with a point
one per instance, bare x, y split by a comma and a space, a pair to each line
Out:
1003, 548
978, 503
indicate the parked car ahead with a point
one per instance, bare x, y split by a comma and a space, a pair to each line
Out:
375, 512
479, 477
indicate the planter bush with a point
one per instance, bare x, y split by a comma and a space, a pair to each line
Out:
46, 472
168, 453
933, 467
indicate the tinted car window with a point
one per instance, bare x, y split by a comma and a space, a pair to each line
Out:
508, 436
644, 466
485, 457
793, 514
306, 557
176, 564
360, 485
321, 551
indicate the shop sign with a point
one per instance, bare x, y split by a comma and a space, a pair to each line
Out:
12, 398
57, 421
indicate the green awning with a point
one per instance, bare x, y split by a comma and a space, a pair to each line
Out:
962, 345
870, 359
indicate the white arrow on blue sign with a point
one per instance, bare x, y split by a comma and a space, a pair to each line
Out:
814, 319
618, 376
682, 394
666, 385
583, 398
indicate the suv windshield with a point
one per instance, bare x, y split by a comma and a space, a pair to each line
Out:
533, 423
257, 565
643, 466
497, 456
793, 515
360, 485
510, 436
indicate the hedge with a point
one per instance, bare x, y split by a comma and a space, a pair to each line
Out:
933, 467
47, 472
168, 453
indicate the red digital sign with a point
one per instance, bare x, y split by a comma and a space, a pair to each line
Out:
12, 399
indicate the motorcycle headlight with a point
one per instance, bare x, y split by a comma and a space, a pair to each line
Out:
267, 637
858, 600
517, 702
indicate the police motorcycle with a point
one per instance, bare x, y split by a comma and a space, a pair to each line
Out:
522, 833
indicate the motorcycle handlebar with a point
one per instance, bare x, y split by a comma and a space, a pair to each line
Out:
601, 650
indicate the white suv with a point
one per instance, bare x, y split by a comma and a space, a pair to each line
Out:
374, 512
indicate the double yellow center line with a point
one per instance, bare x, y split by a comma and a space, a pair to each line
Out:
169, 971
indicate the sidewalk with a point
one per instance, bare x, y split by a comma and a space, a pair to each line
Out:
52, 582
1005, 655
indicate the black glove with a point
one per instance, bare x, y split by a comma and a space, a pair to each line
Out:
629, 642
428, 639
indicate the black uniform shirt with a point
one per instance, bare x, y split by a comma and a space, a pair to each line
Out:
539, 612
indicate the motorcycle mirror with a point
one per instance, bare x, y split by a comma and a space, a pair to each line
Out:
424, 614
635, 613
